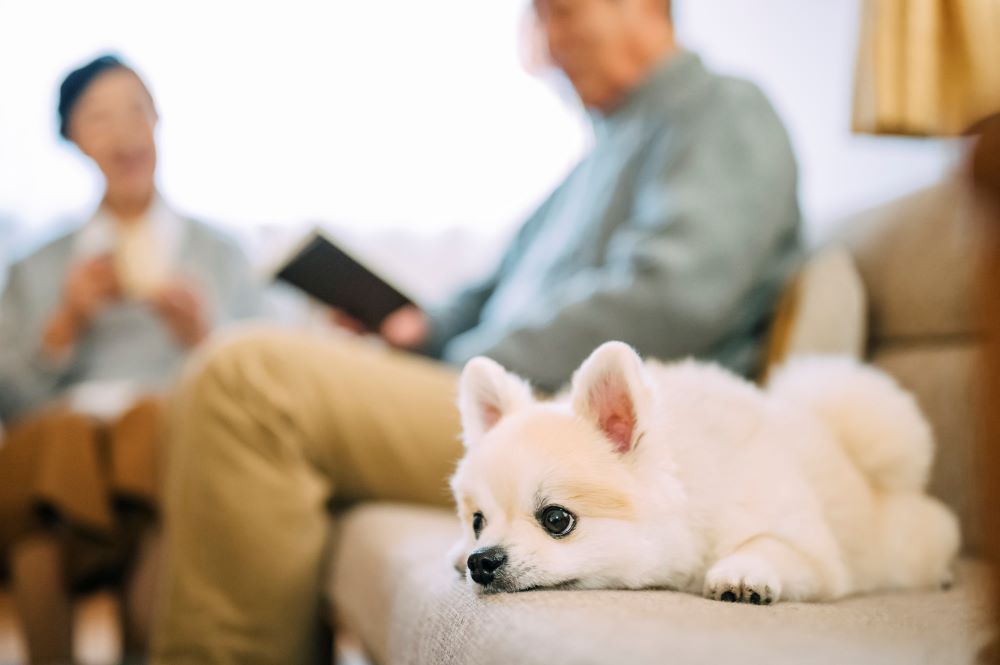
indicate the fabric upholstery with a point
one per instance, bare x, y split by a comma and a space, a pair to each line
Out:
392, 584
823, 310
915, 260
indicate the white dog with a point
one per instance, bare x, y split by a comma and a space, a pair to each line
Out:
684, 476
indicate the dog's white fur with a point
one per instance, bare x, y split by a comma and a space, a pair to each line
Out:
685, 476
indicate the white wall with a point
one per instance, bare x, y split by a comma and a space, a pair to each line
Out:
396, 112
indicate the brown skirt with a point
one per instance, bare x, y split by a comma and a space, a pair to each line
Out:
92, 483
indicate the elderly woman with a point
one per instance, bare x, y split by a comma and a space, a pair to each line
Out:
92, 328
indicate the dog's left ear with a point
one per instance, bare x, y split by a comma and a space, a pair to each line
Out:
610, 390
486, 393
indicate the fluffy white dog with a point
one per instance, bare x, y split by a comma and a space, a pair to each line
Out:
684, 476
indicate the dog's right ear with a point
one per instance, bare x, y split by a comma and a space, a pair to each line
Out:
486, 393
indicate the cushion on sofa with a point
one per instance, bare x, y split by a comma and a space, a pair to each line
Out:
915, 256
392, 585
822, 311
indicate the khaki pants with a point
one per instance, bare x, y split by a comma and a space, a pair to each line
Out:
267, 428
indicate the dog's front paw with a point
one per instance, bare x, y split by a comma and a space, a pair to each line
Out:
743, 578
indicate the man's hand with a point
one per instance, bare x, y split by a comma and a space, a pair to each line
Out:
182, 309
345, 321
406, 328
90, 286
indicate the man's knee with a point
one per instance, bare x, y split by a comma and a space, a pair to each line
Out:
225, 368
220, 386
243, 394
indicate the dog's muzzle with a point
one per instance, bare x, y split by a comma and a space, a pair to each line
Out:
485, 564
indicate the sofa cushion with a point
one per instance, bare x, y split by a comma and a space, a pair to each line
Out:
915, 257
392, 585
822, 311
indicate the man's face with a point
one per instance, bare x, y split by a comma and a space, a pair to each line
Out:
113, 124
595, 43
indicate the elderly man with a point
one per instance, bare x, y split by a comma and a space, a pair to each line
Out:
673, 235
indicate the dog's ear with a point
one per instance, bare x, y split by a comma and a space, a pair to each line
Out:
486, 393
610, 391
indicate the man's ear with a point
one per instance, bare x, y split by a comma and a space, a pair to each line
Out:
486, 393
610, 391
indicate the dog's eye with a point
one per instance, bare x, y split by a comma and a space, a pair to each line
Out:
557, 521
478, 521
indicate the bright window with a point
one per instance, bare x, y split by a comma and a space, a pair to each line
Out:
397, 112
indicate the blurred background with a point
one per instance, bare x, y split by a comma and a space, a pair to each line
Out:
377, 116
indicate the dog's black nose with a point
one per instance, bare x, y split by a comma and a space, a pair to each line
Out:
484, 563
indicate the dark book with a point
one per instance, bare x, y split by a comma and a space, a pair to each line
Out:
330, 274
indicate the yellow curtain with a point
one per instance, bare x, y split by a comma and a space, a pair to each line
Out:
927, 67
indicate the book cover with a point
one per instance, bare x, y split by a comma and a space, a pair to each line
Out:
327, 272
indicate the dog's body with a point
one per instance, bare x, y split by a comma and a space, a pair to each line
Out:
684, 476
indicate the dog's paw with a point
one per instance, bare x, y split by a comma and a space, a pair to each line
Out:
743, 578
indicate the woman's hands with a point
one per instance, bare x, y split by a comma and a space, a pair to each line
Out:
182, 309
90, 286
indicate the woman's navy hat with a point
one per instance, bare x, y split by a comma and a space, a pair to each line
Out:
77, 82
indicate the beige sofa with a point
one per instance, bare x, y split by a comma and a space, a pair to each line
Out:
897, 294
